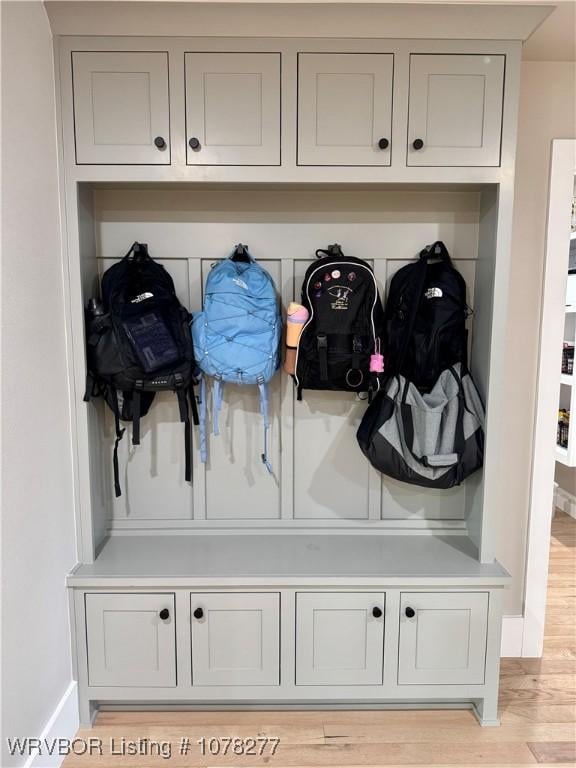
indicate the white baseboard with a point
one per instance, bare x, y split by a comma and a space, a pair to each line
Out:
565, 501
512, 632
63, 724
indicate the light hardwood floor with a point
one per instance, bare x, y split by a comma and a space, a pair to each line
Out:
537, 708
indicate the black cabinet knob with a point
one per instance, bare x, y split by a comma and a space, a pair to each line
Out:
410, 612
383, 143
194, 143
376, 612
198, 613
164, 614
159, 142
417, 143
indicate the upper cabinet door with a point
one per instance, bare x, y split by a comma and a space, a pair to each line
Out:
233, 108
344, 108
121, 108
455, 109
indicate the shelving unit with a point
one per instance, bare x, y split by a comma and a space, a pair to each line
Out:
567, 396
231, 585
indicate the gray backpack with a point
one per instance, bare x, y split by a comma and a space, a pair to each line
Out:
434, 439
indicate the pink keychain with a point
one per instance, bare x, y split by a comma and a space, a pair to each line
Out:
377, 360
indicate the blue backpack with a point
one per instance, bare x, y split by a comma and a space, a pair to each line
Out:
237, 335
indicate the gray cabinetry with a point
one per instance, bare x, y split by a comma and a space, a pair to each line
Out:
455, 109
232, 108
131, 640
235, 638
121, 107
442, 638
339, 638
344, 108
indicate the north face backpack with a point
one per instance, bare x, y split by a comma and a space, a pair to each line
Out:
237, 335
339, 347
425, 315
138, 343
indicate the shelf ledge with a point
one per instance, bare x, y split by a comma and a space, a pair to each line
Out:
292, 560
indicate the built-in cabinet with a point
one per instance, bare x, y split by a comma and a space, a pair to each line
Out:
324, 581
442, 638
231, 106
345, 108
339, 638
121, 107
367, 642
131, 639
455, 109
235, 638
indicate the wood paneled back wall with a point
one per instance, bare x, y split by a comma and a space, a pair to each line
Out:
320, 476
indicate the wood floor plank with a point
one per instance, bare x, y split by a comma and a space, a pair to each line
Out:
420, 754
534, 732
554, 752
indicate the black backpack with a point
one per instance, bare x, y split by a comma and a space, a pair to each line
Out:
139, 343
426, 313
345, 326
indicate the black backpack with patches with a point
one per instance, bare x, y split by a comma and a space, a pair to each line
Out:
139, 343
426, 315
341, 339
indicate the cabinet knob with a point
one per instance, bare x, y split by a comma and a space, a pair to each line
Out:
159, 142
198, 613
383, 143
164, 614
410, 612
376, 612
194, 143
417, 144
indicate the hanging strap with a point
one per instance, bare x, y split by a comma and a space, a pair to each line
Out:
422, 273
216, 405
263, 389
202, 420
185, 419
322, 347
119, 436
193, 404
136, 413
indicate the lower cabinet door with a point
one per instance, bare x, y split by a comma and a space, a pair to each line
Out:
131, 640
235, 638
442, 638
339, 638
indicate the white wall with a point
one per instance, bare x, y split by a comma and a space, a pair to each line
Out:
37, 494
547, 111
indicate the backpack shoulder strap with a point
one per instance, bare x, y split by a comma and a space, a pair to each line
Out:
119, 436
422, 269
263, 389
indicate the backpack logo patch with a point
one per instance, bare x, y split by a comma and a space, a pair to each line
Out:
142, 297
240, 282
342, 294
433, 293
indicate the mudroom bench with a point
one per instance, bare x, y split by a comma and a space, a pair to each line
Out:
274, 620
